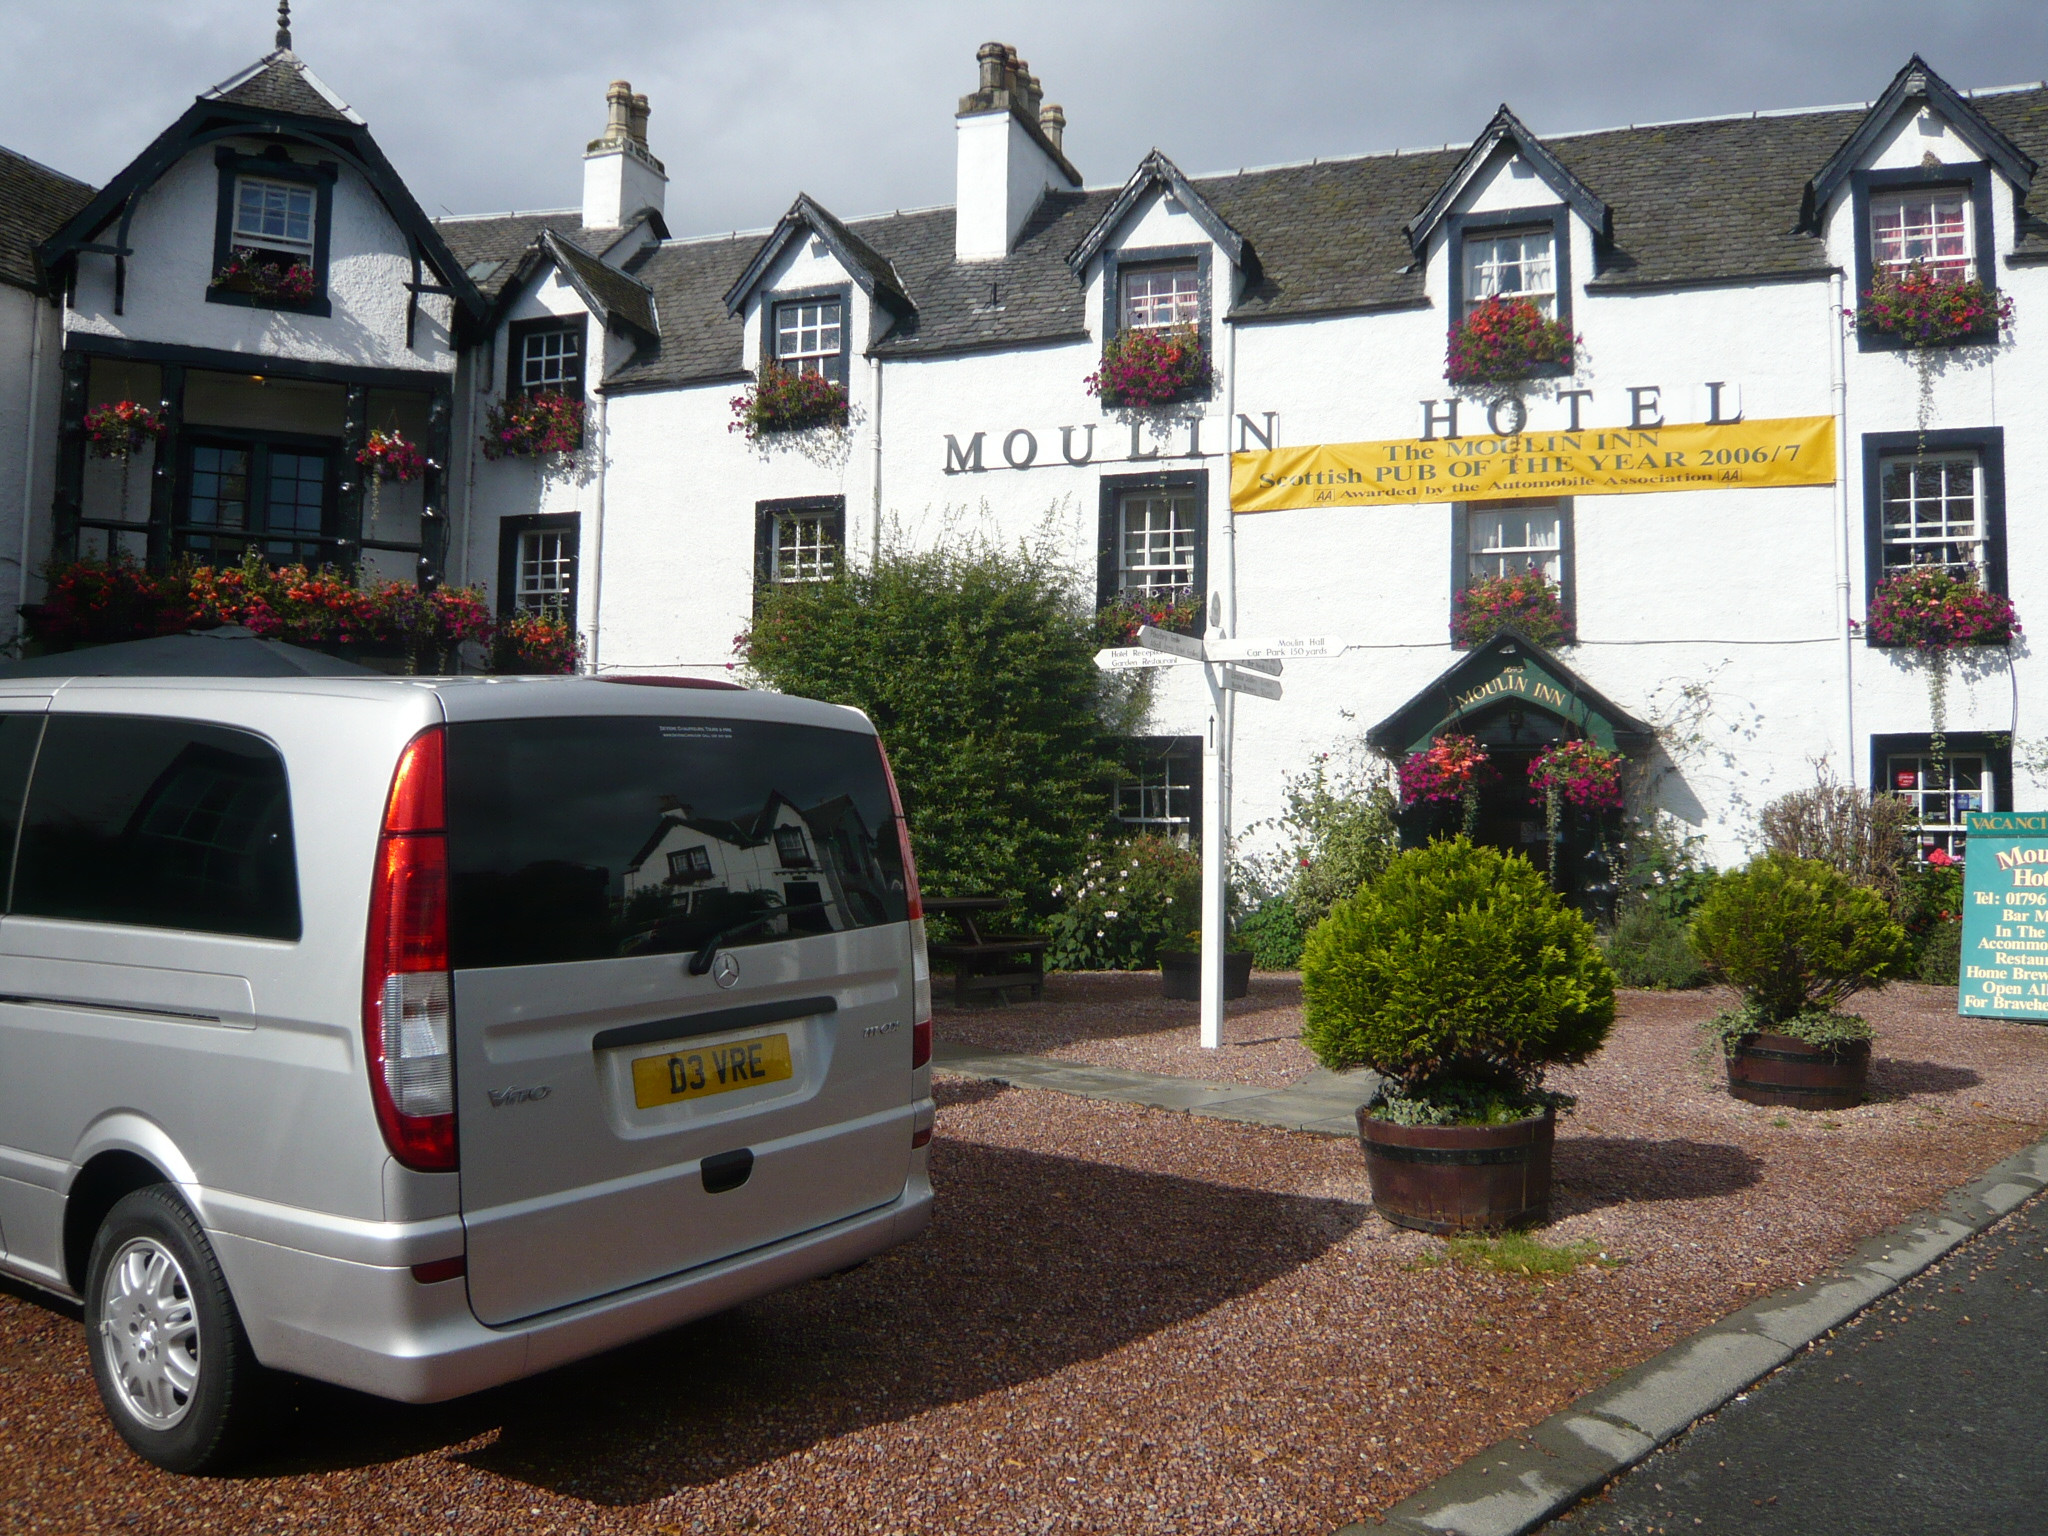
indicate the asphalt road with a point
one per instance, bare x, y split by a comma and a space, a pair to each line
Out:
1928, 1414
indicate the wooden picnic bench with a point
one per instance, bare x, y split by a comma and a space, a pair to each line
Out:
986, 962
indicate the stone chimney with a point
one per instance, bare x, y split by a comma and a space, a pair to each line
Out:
620, 176
1009, 155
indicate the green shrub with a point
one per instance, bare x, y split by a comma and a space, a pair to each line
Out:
1797, 936
1458, 968
1930, 910
1941, 953
1822, 1028
976, 663
1862, 837
1275, 933
1663, 868
1649, 948
1129, 900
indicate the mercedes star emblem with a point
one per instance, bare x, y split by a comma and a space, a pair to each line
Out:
725, 970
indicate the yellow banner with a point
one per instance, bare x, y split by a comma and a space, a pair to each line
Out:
1793, 450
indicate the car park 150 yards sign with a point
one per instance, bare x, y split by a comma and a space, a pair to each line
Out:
1608, 461
2005, 917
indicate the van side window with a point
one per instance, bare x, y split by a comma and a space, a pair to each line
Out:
19, 734
158, 824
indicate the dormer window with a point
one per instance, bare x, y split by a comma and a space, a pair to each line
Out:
1516, 263
1159, 298
1929, 227
275, 219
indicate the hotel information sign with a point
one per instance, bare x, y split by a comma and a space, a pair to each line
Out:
2005, 917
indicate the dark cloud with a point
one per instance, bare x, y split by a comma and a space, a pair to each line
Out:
487, 106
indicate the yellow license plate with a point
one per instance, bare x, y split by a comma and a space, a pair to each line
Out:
709, 1069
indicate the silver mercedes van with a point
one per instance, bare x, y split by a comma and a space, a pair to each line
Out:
421, 1034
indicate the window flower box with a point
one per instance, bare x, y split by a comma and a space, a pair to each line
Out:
536, 644
392, 456
1179, 609
1922, 308
533, 426
1529, 602
266, 279
1933, 608
782, 400
121, 427
1151, 367
1504, 340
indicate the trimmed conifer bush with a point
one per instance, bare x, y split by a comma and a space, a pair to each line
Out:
1460, 977
1798, 938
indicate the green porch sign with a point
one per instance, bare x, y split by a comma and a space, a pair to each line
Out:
2005, 917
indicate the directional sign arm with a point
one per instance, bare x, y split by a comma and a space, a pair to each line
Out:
1255, 683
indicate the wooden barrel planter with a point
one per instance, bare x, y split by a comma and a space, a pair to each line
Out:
1449, 1179
1180, 974
1776, 1069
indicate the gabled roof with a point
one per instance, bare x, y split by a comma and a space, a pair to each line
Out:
276, 96
1157, 173
867, 266
281, 82
1506, 127
1509, 669
610, 293
1918, 82
491, 247
34, 202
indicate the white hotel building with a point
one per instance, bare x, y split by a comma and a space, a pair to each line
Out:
1717, 632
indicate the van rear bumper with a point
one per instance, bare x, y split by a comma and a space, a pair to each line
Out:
378, 1330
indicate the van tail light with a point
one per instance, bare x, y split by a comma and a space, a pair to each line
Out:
912, 896
408, 1014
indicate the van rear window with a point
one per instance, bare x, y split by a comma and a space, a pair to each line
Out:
590, 839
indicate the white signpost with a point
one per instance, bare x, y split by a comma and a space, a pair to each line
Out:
1255, 670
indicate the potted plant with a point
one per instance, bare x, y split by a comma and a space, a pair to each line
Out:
1180, 970
1504, 340
1926, 308
533, 426
121, 427
1459, 977
1798, 938
266, 280
1527, 600
1451, 768
1178, 609
1147, 368
536, 644
781, 400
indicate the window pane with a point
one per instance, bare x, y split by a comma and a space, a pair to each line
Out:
546, 575
159, 824
275, 214
297, 502
1158, 297
1931, 228
550, 360
1159, 796
1942, 800
1156, 540
1511, 541
1517, 264
807, 334
806, 546
1931, 512
560, 831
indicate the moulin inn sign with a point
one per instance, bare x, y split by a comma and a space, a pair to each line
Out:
2005, 916
1723, 452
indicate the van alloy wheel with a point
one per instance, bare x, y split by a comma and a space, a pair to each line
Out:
152, 1333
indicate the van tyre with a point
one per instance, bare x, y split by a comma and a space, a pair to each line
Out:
169, 1353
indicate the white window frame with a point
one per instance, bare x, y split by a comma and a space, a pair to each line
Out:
1503, 559
556, 350
787, 838
1977, 540
1158, 554
1156, 799
1159, 298
1918, 233
802, 547
690, 866
280, 240
1488, 261
544, 573
807, 339
1941, 807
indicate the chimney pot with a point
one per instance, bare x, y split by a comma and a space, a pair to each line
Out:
1053, 119
992, 57
618, 101
637, 121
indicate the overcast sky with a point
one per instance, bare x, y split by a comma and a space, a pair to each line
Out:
485, 105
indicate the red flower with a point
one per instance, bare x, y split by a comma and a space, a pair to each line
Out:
1504, 339
1587, 775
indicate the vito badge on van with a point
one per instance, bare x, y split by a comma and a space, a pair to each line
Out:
500, 1097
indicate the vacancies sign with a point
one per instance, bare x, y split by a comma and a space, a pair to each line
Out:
2005, 917
1605, 461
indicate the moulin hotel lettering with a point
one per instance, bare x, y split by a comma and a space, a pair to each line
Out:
2005, 915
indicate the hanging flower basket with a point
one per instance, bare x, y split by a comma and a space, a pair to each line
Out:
1528, 601
533, 426
1452, 767
1582, 774
1178, 609
1932, 608
1144, 368
536, 644
392, 456
780, 400
120, 427
1924, 309
282, 282
1504, 340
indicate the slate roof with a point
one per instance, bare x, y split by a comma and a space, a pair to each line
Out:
503, 239
281, 82
1708, 202
35, 202
622, 297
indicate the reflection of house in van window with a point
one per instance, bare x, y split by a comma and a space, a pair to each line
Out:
821, 861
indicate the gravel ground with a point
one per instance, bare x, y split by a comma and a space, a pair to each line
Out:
1123, 1320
